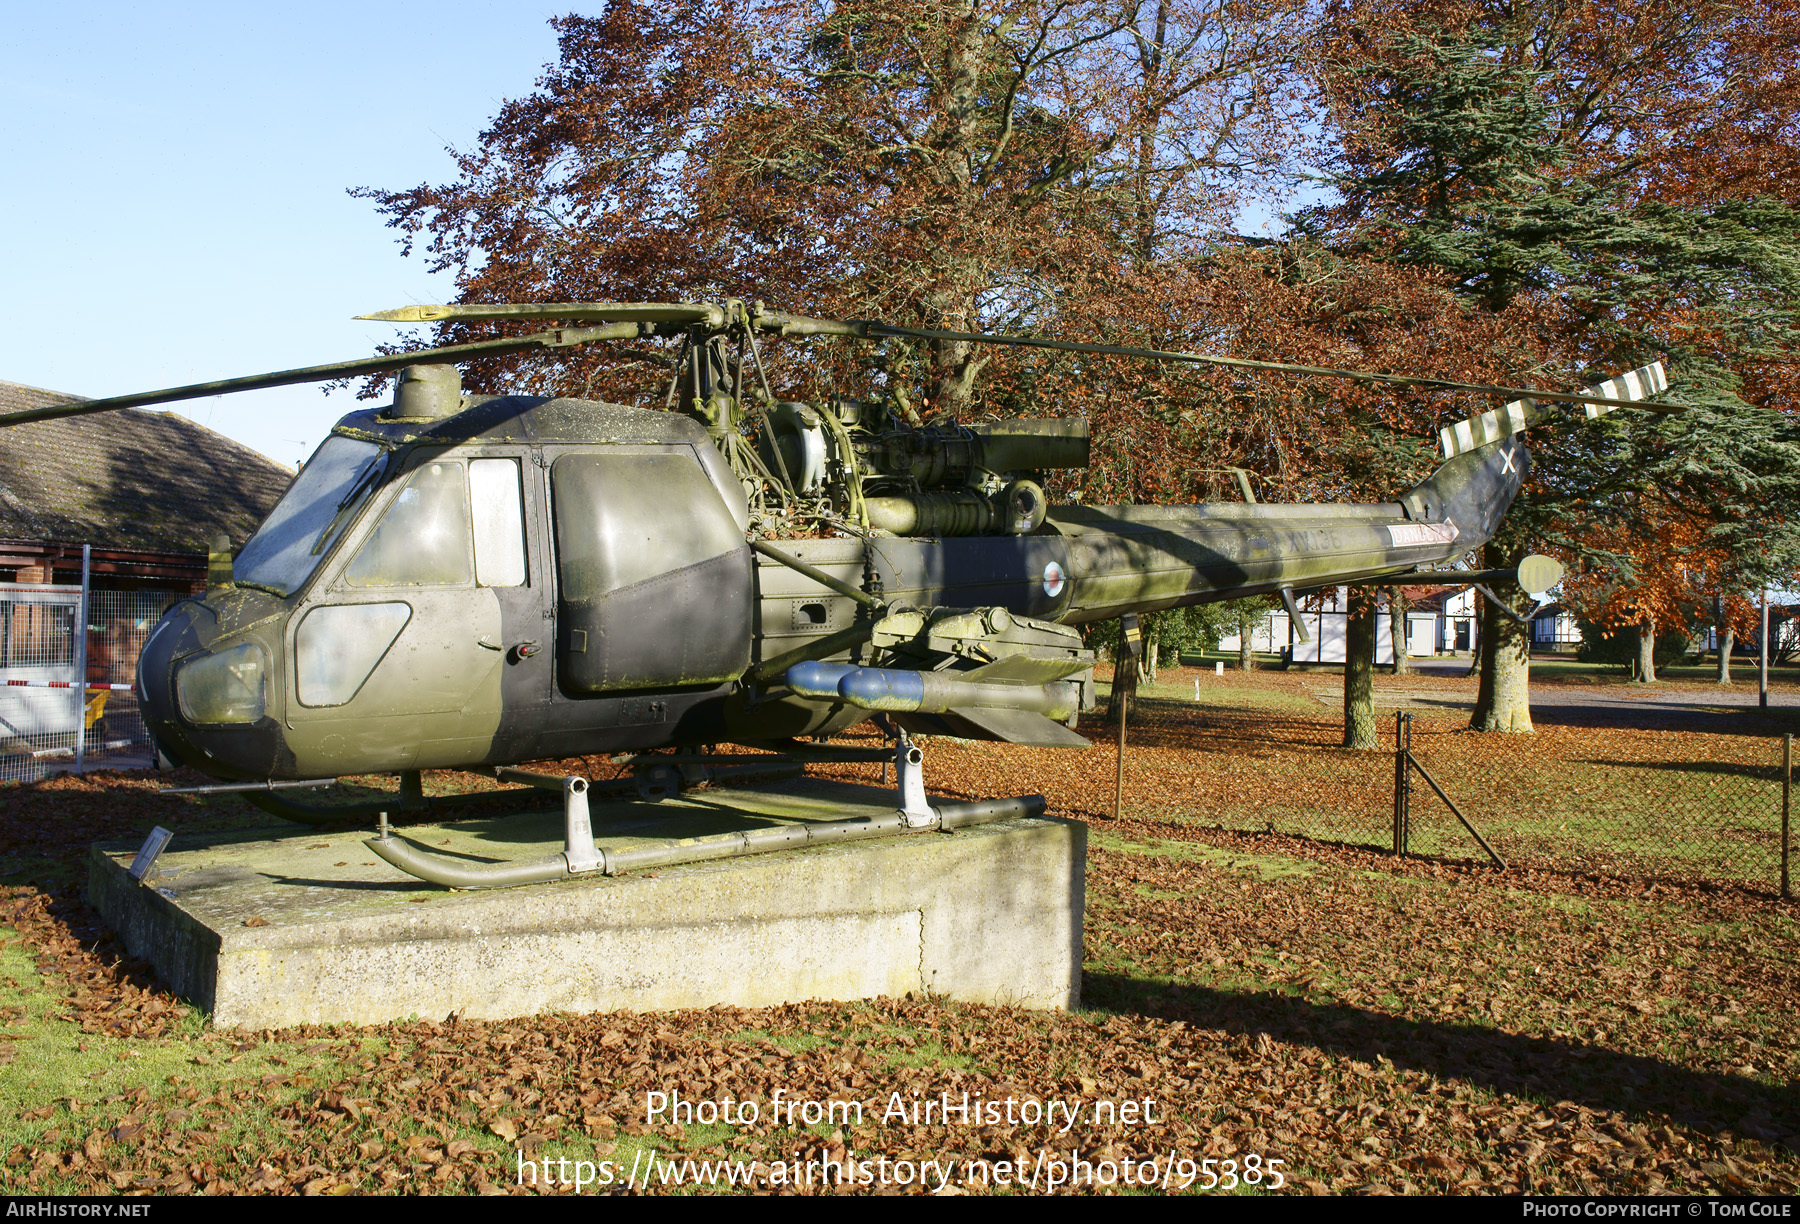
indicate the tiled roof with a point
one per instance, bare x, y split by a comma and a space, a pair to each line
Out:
128, 479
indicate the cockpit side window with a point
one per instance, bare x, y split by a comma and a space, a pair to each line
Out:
285, 550
423, 539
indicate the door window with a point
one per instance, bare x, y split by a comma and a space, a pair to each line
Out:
423, 539
655, 578
337, 647
623, 519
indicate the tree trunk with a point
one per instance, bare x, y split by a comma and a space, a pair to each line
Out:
1504, 700
1397, 609
1476, 653
1646, 661
1726, 641
1124, 686
1359, 670
1246, 653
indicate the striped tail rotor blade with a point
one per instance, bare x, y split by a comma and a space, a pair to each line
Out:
1475, 432
1635, 385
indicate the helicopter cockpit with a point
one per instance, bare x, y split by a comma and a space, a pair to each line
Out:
460, 588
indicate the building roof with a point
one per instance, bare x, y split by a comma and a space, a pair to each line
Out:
1431, 598
128, 479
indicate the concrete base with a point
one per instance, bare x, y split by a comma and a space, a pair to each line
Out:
311, 928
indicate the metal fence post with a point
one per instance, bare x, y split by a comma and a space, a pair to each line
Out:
1120, 698
1406, 761
81, 644
1399, 779
1787, 787
1402, 779
1125, 676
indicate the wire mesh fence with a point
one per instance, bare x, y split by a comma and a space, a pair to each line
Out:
1696, 805
50, 718
40, 709
1593, 788
119, 622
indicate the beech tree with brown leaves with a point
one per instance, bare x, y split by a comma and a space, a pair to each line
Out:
1007, 164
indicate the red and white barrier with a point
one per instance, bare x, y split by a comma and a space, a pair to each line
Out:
110, 688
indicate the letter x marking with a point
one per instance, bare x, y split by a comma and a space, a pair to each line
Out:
1506, 461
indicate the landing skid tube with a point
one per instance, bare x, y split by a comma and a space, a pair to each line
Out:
412, 799
653, 778
580, 856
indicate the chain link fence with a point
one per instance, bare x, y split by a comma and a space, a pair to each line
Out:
1599, 787
1709, 806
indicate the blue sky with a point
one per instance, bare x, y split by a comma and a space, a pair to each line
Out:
175, 204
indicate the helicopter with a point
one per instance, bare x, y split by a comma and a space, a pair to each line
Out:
462, 581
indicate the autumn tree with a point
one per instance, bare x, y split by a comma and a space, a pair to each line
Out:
1525, 194
1309, 441
1657, 587
1063, 167
1398, 607
1359, 672
1305, 302
1000, 164
1242, 616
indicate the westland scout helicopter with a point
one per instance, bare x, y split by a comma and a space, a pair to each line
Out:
473, 581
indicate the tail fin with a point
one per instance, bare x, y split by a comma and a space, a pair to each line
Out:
1471, 492
1485, 465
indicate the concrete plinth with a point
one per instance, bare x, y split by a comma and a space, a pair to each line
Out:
311, 928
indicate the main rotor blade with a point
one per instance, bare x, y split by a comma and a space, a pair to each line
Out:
708, 314
704, 314
561, 337
876, 331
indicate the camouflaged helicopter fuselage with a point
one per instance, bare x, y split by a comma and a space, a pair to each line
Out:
538, 578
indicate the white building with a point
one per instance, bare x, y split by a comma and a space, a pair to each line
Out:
1554, 629
1443, 623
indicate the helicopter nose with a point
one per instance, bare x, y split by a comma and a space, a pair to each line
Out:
174, 635
205, 699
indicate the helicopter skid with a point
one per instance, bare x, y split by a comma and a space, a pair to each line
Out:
318, 815
659, 779
422, 863
268, 931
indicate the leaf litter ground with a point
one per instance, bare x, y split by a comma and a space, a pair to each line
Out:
1377, 1025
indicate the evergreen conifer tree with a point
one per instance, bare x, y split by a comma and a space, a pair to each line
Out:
1461, 153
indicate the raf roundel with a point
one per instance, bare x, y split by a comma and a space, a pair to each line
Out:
1053, 580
